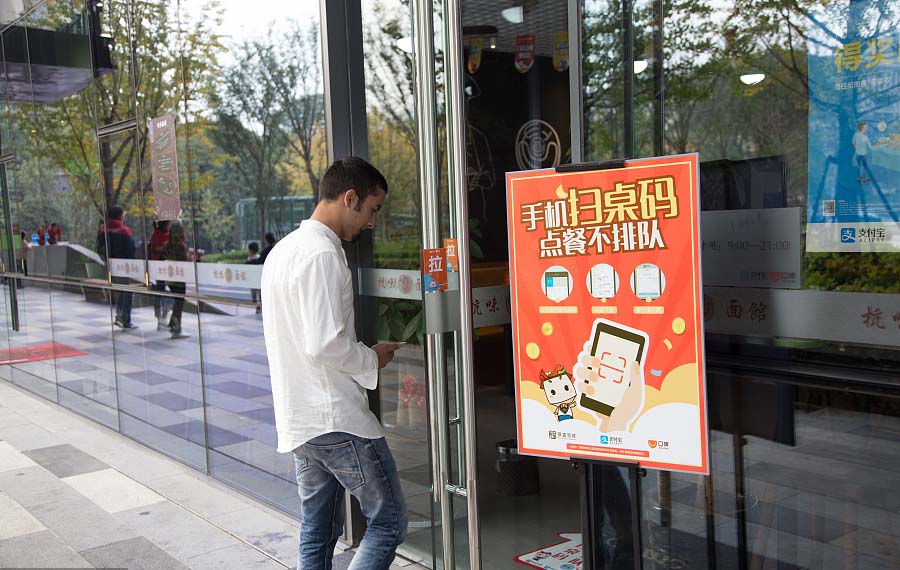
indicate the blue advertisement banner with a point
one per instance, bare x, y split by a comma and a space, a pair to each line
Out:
854, 144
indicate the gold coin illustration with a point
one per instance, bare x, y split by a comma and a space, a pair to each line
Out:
547, 328
533, 351
678, 326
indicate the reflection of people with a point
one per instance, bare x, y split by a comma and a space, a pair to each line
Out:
253, 259
24, 246
54, 233
320, 374
862, 146
176, 250
270, 243
158, 239
120, 246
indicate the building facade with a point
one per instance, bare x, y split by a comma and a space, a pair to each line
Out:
222, 115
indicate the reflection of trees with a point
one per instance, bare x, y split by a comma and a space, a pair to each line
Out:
150, 49
707, 47
390, 99
248, 125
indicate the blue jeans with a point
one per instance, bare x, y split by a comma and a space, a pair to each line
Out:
330, 463
123, 301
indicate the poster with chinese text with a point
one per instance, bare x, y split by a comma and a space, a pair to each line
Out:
607, 313
164, 168
854, 142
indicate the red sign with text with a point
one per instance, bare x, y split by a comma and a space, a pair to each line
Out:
607, 313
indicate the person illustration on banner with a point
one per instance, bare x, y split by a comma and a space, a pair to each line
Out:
560, 391
862, 146
593, 377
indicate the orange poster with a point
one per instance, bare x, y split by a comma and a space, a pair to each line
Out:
607, 313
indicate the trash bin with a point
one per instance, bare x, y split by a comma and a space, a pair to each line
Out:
517, 475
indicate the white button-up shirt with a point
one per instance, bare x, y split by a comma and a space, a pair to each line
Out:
319, 372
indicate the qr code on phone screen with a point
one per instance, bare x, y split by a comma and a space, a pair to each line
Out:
828, 207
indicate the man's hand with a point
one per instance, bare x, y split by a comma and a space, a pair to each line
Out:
385, 352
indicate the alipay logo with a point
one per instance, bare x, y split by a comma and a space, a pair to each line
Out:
848, 235
604, 439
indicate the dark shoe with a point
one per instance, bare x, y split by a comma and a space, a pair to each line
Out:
179, 334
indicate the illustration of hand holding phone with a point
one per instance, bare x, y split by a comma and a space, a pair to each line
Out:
609, 374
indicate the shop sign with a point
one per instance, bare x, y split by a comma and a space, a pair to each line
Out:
177, 271
164, 168
607, 313
853, 202
390, 283
230, 275
476, 47
752, 248
861, 318
561, 51
130, 268
434, 269
524, 52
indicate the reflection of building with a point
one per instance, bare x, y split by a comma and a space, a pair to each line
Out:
803, 390
283, 214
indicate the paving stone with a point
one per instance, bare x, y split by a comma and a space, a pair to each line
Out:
81, 524
15, 520
39, 550
29, 436
135, 554
263, 530
65, 460
233, 557
197, 495
113, 491
11, 458
33, 486
175, 530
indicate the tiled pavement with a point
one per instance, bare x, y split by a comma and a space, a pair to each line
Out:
74, 494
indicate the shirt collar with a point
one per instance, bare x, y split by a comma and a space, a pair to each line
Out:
322, 229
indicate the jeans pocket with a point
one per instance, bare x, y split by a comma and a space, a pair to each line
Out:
300, 464
343, 462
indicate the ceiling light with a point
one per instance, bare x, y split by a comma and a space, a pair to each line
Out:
405, 44
516, 14
493, 42
640, 65
752, 78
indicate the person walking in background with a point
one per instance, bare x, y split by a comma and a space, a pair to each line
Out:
320, 374
121, 246
54, 233
22, 253
253, 259
176, 250
158, 239
270, 243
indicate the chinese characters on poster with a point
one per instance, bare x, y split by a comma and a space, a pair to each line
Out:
607, 313
854, 143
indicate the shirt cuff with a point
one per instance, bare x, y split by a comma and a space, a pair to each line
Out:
369, 380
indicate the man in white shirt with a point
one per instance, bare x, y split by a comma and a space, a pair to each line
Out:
320, 374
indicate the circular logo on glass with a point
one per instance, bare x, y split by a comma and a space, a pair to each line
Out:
537, 146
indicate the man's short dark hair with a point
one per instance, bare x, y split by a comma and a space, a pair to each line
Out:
350, 173
115, 212
270, 238
253, 246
